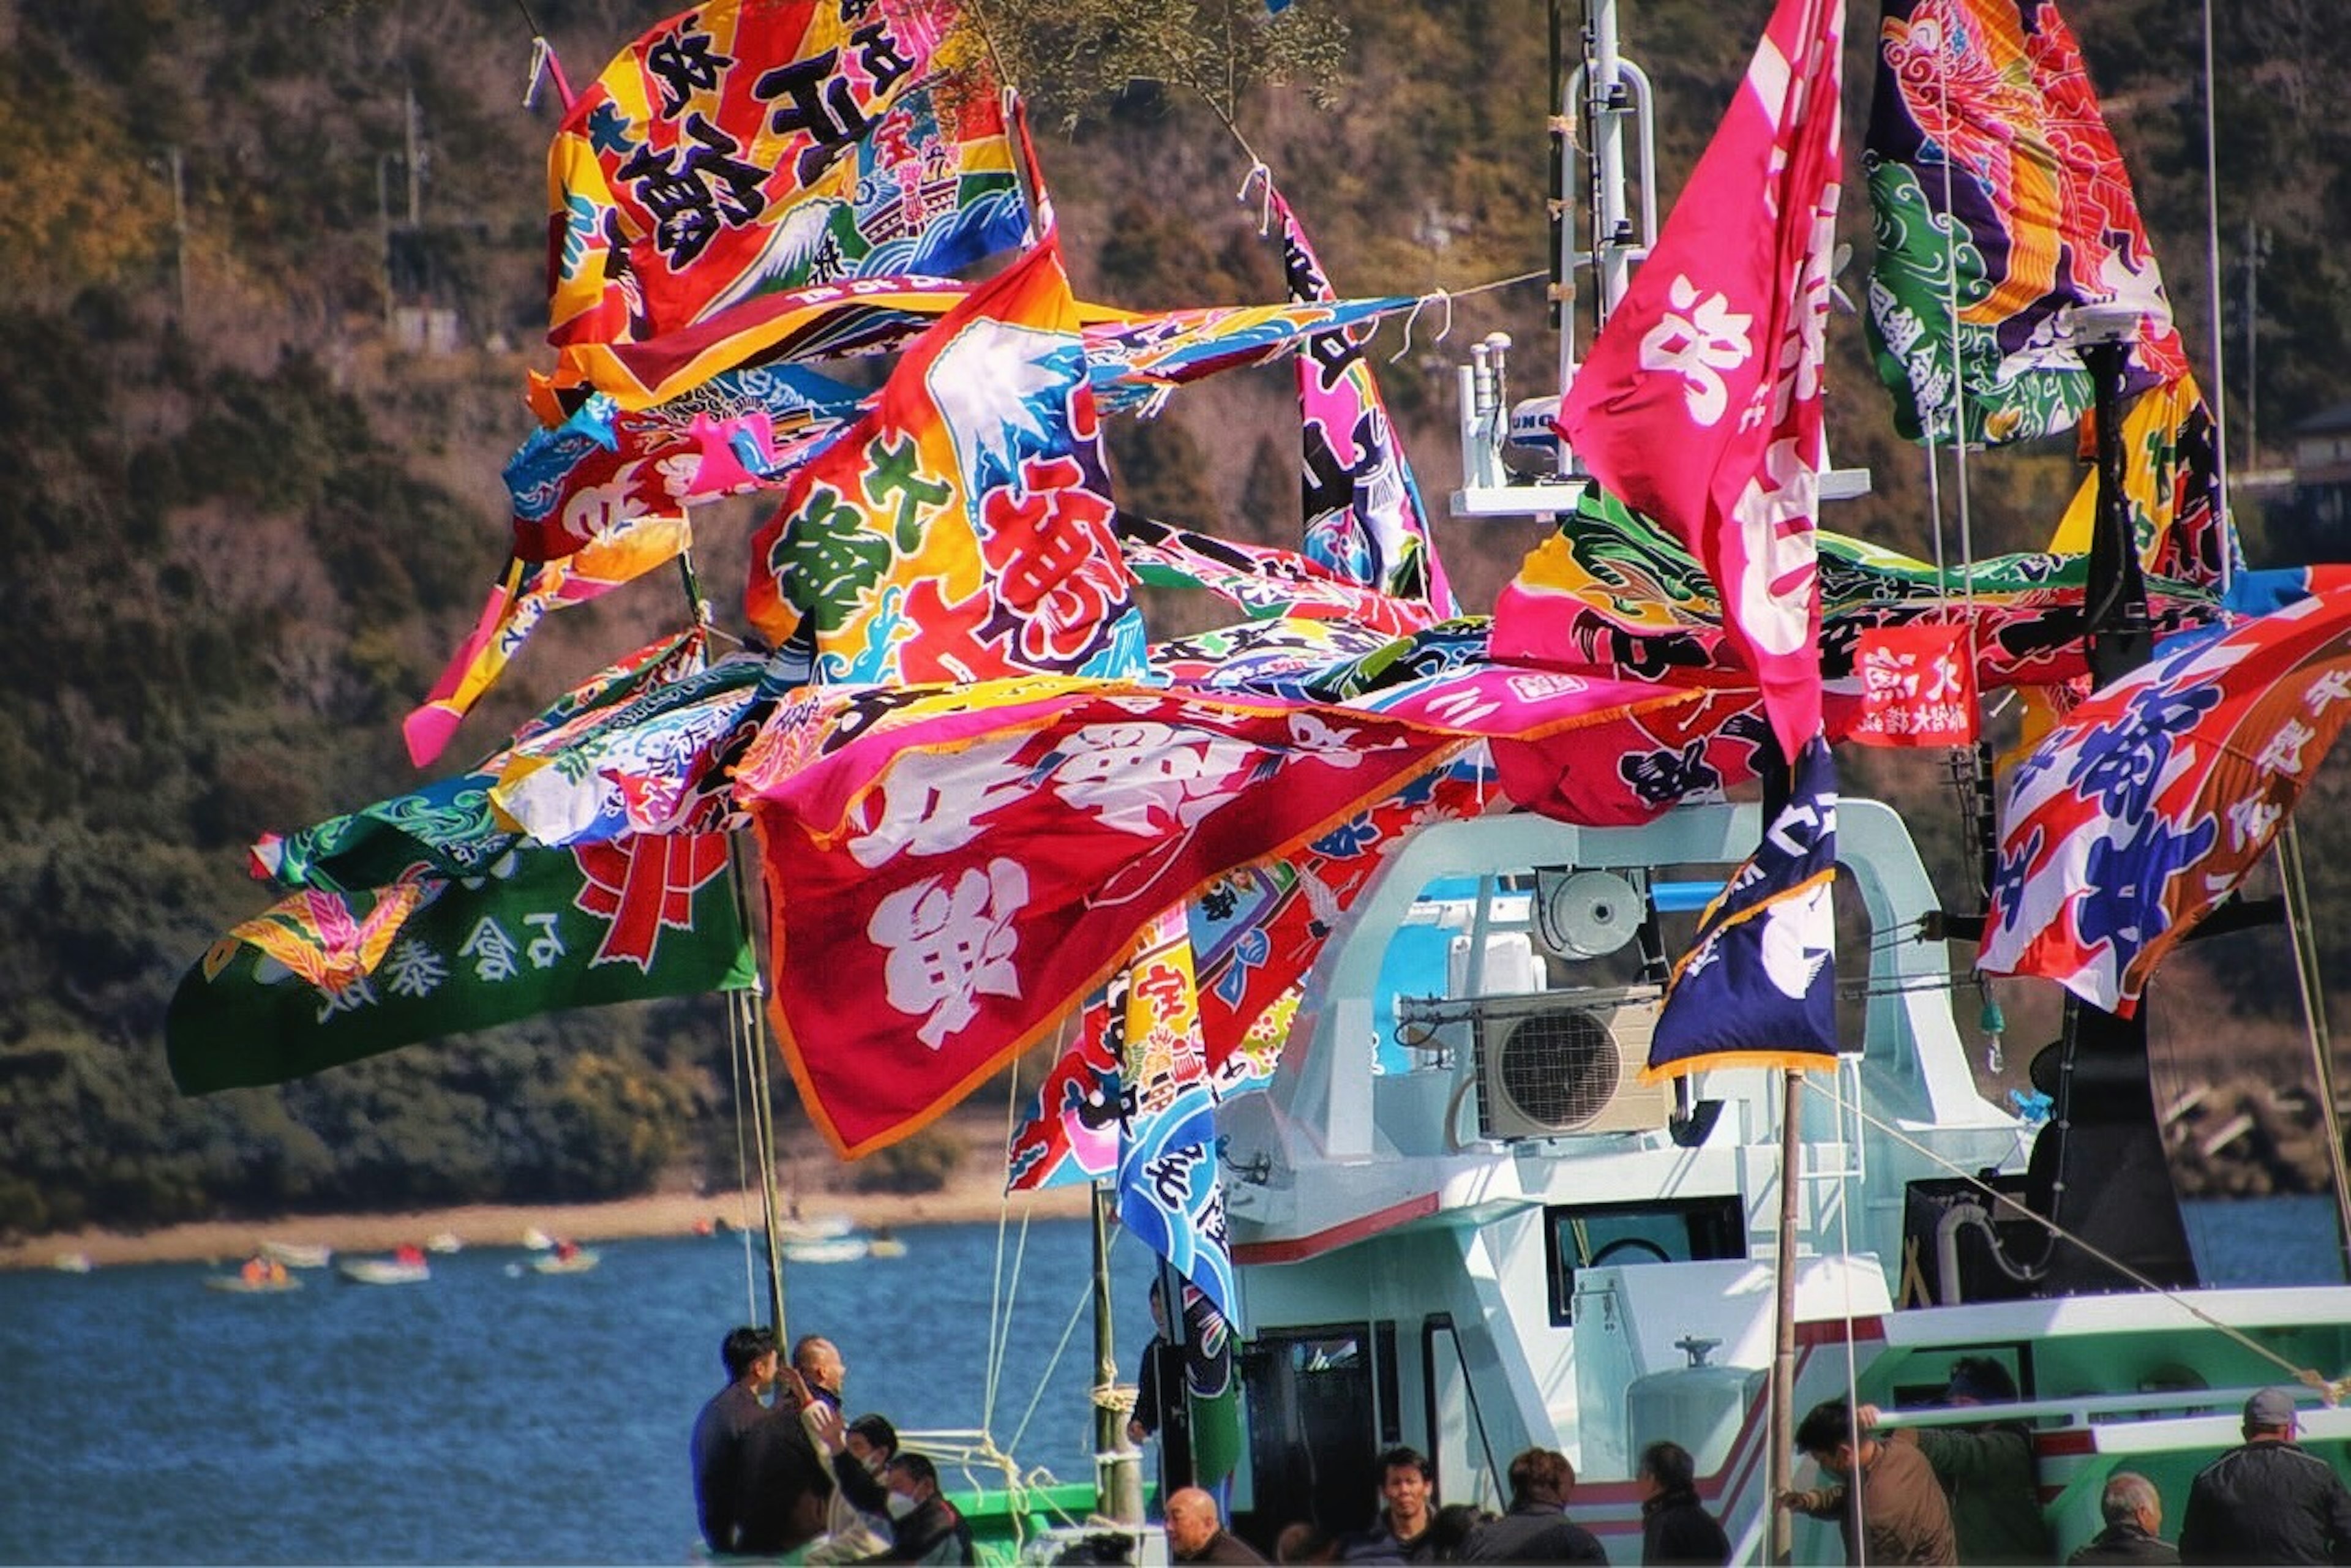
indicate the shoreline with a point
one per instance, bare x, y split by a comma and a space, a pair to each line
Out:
963, 1200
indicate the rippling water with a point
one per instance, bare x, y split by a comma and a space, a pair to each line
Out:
485, 1417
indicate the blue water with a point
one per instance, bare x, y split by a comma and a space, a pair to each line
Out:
482, 1417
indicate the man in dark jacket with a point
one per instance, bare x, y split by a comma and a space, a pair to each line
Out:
2269, 1500
1537, 1529
1402, 1532
924, 1527
721, 1447
2134, 1513
1195, 1532
1675, 1525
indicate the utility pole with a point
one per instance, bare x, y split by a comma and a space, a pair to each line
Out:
415, 167
2257, 245
179, 223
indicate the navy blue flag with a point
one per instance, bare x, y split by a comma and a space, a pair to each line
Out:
1758, 988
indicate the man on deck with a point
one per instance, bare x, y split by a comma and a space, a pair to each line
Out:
722, 1436
2267, 1500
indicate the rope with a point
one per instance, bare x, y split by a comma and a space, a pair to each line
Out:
2331, 1391
1259, 174
2307, 974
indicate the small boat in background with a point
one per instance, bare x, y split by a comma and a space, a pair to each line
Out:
882, 1244
443, 1242
827, 1228
537, 1240
261, 1275
298, 1254
568, 1258
405, 1266
831, 1249
72, 1263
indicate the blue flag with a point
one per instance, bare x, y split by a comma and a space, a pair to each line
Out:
1758, 988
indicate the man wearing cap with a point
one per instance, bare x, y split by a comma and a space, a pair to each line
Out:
2269, 1500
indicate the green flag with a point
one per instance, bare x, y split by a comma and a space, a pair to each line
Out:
323, 979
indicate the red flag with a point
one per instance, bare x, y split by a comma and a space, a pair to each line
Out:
1917, 687
1700, 403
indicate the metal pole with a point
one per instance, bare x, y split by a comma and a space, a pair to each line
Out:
1782, 1453
2253, 343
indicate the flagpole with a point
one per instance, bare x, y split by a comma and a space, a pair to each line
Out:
1782, 1450
1118, 1465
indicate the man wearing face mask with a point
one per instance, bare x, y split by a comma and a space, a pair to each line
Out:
924, 1527
1902, 1509
857, 1525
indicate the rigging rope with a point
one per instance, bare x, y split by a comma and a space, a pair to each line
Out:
2332, 1391
2212, 271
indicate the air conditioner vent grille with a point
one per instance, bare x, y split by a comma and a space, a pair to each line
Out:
1561, 1069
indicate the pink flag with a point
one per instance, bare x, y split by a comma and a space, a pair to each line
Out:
1700, 403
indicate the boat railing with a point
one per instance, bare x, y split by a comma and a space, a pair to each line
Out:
2085, 1409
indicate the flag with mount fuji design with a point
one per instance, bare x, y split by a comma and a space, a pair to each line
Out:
1759, 987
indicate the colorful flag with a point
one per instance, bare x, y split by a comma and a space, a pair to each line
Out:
318, 981
515, 607
1211, 1388
1136, 359
2171, 491
2156, 797
751, 147
960, 867
1700, 401
1917, 687
1263, 580
2001, 199
1759, 987
599, 467
1365, 519
962, 529
446, 829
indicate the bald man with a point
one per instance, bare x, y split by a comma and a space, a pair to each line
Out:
818, 1362
1196, 1533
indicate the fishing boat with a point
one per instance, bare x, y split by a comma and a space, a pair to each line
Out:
72, 1263
240, 1285
830, 1249
444, 1243
405, 1266
566, 1261
298, 1254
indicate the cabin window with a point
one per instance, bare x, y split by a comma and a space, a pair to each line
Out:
1582, 1236
1316, 1425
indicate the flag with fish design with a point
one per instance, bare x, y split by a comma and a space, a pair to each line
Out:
2153, 800
917, 950
1365, 517
1759, 986
1700, 401
962, 529
748, 146
1262, 579
2001, 199
320, 980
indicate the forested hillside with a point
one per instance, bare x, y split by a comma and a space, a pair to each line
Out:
247, 525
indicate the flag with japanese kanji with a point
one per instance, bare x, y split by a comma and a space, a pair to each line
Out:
747, 147
1700, 401
1918, 685
325, 978
962, 529
1364, 516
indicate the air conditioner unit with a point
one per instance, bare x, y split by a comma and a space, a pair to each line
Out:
1567, 1064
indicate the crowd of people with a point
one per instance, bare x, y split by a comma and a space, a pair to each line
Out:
1970, 1493
778, 1468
